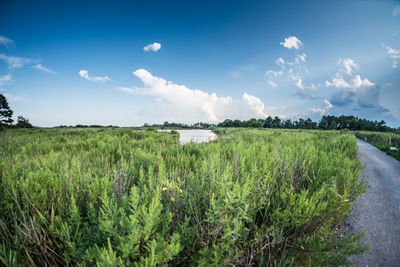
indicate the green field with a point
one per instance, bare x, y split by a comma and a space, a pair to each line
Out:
115, 197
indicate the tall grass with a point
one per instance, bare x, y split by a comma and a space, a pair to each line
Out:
383, 141
113, 197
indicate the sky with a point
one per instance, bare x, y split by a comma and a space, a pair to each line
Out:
127, 63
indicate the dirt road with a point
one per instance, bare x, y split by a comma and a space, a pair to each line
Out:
377, 212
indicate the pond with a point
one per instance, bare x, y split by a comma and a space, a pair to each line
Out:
195, 136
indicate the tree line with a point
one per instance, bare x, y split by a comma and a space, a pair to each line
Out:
329, 122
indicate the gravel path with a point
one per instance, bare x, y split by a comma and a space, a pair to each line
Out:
377, 212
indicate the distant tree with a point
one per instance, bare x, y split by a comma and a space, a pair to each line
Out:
268, 122
253, 123
23, 123
301, 124
323, 123
237, 123
288, 124
5, 112
309, 124
327, 122
276, 122
226, 123
333, 125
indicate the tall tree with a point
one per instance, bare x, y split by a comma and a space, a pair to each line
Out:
5, 112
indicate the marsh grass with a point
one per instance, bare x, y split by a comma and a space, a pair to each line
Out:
115, 197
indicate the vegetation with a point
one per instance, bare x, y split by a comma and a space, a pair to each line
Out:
383, 141
23, 123
5, 112
6, 116
326, 123
116, 197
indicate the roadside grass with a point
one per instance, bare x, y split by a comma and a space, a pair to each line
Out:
381, 141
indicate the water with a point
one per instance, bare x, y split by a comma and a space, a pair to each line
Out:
196, 136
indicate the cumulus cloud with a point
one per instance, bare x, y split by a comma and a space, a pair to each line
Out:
349, 65
354, 90
396, 10
393, 54
194, 105
355, 83
43, 68
85, 74
14, 62
152, 47
292, 42
299, 84
323, 110
7, 42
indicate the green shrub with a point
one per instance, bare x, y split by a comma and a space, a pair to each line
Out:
121, 197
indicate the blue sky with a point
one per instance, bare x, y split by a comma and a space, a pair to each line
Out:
128, 62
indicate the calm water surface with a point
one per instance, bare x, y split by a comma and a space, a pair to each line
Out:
196, 136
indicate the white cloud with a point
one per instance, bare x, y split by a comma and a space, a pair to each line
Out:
7, 42
43, 68
280, 62
301, 58
14, 98
328, 104
153, 47
299, 84
355, 83
195, 105
358, 82
272, 84
338, 83
323, 110
5, 79
292, 42
349, 65
298, 60
296, 67
85, 74
14, 62
354, 91
393, 54
271, 73
396, 10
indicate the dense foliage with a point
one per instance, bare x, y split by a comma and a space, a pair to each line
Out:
383, 141
5, 112
116, 197
23, 123
326, 123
